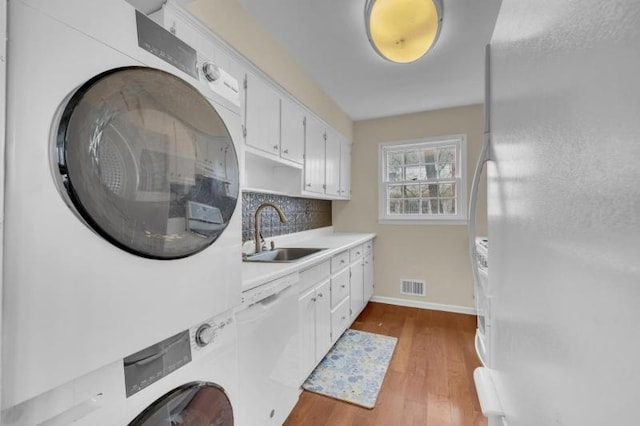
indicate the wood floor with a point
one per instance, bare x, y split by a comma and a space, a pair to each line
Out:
429, 381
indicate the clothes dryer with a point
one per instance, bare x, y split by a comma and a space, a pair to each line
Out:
122, 180
190, 378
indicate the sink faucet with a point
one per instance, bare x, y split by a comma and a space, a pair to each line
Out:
257, 237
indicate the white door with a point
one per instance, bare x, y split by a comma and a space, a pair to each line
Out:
323, 319
345, 169
357, 288
292, 130
314, 154
332, 164
262, 115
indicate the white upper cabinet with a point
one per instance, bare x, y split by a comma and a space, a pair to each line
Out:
292, 130
261, 115
332, 164
345, 170
314, 155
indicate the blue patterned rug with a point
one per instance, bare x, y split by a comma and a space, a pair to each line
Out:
354, 368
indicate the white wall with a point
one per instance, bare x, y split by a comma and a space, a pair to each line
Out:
437, 254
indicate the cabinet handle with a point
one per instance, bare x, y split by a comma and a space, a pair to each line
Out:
309, 185
357, 253
286, 151
319, 294
342, 261
275, 147
343, 286
313, 299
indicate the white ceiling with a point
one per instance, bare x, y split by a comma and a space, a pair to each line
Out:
327, 38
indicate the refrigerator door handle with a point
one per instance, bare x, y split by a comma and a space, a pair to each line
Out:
473, 206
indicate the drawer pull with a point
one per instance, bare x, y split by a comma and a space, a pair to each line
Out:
319, 294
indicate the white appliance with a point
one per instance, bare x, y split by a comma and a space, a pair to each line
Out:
268, 347
121, 185
478, 246
564, 214
188, 378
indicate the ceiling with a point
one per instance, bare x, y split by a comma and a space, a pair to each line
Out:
328, 39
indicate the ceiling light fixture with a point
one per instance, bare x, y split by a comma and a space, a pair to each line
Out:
403, 30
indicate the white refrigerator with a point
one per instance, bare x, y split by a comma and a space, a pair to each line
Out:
564, 214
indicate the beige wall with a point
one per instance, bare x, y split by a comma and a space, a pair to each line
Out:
437, 254
236, 26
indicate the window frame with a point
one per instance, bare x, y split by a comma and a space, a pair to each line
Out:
460, 218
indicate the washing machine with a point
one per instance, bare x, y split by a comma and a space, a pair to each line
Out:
122, 182
190, 378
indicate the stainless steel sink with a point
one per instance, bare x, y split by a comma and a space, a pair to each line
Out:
284, 254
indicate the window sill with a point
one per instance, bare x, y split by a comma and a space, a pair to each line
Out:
430, 221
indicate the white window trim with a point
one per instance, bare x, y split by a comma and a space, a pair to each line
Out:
458, 219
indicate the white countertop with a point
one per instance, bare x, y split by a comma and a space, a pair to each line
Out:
255, 274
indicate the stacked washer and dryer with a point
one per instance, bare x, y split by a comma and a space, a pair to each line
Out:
122, 232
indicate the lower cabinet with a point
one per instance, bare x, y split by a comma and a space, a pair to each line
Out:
314, 318
368, 278
361, 281
340, 288
330, 297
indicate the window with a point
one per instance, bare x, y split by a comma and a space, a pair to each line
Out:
423, 181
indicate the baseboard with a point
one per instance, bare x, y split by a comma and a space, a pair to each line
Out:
424, 305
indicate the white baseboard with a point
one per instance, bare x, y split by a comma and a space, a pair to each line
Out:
424, 305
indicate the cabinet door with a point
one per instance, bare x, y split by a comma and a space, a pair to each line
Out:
323, 319
292, 124
314, 156
368, 278
262, 115
345, 169
357, 288
340, 320
332, 164
339, 287
307, 334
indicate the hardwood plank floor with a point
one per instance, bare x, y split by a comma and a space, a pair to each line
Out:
429, 381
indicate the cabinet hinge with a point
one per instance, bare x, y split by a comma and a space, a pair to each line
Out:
244, 131
245, 83
324, 136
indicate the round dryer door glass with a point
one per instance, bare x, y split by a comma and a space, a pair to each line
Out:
193, 404
148, 163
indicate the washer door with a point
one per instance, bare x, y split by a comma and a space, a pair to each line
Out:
193, 404
147, 162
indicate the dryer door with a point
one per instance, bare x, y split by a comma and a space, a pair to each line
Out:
192, 404
147, 162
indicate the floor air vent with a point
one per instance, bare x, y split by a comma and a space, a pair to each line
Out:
413, 287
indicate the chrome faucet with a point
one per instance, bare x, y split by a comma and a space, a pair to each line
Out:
257, 236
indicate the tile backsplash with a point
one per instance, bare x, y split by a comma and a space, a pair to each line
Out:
302, 214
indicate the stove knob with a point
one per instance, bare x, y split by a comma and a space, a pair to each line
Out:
205, 335
211, 71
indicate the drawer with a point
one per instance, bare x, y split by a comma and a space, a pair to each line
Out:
339, 287
315, 274
339, 261
340, 319
368, 247
356, 252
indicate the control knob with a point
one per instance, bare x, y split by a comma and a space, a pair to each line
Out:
211, 71
205, 335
